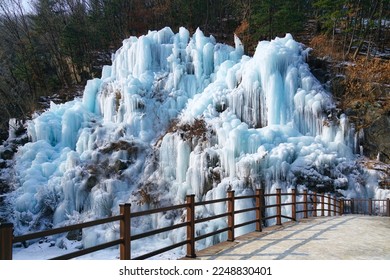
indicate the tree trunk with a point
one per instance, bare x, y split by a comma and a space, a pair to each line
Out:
366, 31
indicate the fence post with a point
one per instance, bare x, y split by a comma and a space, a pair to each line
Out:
278, 207
315, 204
334, 205
370, 206
230, 206
125, 232
329, 205
352, 206
259, 194
294, 205
305, 204
191, 226
388, 207
6, 237
322, 204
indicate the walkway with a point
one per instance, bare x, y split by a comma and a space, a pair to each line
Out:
348, 237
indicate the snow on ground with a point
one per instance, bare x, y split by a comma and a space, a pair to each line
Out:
47, 250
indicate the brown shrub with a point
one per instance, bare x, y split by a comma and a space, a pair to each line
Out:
367, 89
324, 46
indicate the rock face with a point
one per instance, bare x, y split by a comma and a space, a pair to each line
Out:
320, 67
376, 142
372, 116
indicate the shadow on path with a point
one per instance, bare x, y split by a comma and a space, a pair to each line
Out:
345, 237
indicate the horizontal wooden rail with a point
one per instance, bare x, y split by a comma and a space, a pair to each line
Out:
88, 250
207, 219
379, 207
245, 210
244, 197
35, 235
206, 202
287, 206
245, 223
222, 230
286, 217
157, 231
157, 210
270, 217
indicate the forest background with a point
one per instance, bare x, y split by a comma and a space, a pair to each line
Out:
50, 48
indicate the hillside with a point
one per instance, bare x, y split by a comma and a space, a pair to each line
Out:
51, 50
179, 112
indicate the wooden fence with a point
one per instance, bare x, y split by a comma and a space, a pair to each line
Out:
378, 207
298, 205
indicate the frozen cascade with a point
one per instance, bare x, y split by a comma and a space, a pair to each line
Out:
177, 114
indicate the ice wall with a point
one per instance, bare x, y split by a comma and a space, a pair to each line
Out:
177, 114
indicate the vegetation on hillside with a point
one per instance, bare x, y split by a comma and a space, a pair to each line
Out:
59, 44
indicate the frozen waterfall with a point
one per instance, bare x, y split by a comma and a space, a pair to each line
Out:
177, 114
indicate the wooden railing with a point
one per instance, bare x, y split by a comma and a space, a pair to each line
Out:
379, 207
298, 205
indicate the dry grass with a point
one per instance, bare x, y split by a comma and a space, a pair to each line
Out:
367, 90
243, 32
198, 129
366, 78
323, 46
363, 88
130, 147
